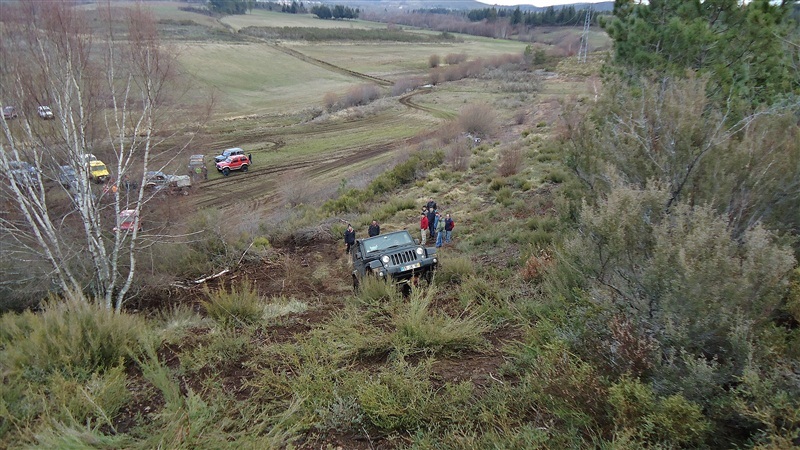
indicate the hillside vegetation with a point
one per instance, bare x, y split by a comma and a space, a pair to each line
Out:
623, 271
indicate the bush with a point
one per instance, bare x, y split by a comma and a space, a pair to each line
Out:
478, 119
455, 58
649, 421
241, 306
434, 61
510, 161
457, 155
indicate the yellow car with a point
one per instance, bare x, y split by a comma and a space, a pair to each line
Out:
98, 171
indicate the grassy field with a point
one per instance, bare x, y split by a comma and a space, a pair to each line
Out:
264, 18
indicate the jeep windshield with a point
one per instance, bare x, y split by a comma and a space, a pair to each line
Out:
384, 242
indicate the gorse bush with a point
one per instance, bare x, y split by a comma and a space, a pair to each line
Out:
237, 307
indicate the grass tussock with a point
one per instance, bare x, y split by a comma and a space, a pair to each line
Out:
75, 338
454, 269
240, 306
419, 328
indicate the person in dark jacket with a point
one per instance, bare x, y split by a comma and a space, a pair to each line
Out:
431, 222
431, 204
374, 229
349, 238
449, 224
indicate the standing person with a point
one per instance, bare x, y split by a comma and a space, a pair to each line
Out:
439, 227
250, 158
423, 227
349, 238
449, 224
431, 222
431, 204
374, 229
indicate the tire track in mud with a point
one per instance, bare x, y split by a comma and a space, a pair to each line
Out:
406, 101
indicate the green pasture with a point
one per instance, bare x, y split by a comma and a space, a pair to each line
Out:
264, 18
255, 78
395, 60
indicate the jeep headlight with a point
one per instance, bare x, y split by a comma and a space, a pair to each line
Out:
385, 259
420, 251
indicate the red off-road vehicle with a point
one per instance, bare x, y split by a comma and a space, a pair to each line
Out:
234, 162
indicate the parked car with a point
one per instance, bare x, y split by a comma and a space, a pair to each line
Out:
98, 171
23, 172
9, 112
393, 257
67, 176
88, 157
235, 162
227, 153
172, 184
127, 221
45, 112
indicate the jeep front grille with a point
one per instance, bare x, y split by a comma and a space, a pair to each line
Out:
403, 257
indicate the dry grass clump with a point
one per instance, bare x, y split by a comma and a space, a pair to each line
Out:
536, 266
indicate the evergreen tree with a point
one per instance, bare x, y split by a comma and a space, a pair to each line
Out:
740, 47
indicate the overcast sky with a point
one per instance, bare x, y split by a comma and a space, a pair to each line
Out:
534, 2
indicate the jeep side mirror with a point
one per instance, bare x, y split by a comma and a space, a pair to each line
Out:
416, 241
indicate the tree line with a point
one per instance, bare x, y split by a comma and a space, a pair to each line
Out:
337, 12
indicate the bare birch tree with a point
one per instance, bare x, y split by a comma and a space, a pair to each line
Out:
109, 83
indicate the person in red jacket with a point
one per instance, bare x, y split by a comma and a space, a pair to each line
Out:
423, 227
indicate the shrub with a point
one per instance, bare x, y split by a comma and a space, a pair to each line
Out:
434, 61
329, 101
650, 421
404, 85
457, 155
535, 267
360, 95
510, 161
478, 119
455, 58
503, 196
240, 306
555, 176
519, 118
